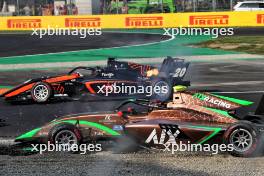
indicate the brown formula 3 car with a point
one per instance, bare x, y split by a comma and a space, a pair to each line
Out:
192, 117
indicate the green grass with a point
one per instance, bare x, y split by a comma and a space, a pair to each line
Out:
247, 44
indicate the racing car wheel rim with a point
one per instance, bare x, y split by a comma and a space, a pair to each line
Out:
66, 138
41, 92
162, 84
241, 139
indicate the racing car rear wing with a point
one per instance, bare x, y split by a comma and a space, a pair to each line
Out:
175, 69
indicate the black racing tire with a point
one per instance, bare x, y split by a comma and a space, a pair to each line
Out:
164, 82
242, 133
65, 130
41, 92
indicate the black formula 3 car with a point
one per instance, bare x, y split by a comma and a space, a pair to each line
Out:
116, 79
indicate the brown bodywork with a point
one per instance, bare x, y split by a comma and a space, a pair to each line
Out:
192, 116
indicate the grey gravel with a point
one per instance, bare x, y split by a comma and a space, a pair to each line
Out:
143, 163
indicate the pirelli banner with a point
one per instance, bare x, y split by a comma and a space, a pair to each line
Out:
198, 19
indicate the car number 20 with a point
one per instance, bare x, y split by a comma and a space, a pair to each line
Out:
179, 72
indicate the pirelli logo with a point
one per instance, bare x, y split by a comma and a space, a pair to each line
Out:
209, 20
260, 18
23, 23
82, 22
144, 21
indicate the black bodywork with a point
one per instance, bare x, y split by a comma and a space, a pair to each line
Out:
82, 81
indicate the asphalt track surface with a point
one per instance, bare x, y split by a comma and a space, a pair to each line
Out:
234, 76
27, 44
243, 76
229, 76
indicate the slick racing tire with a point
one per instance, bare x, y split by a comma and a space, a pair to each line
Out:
164, 92
41, 92
246, 140
65, 134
